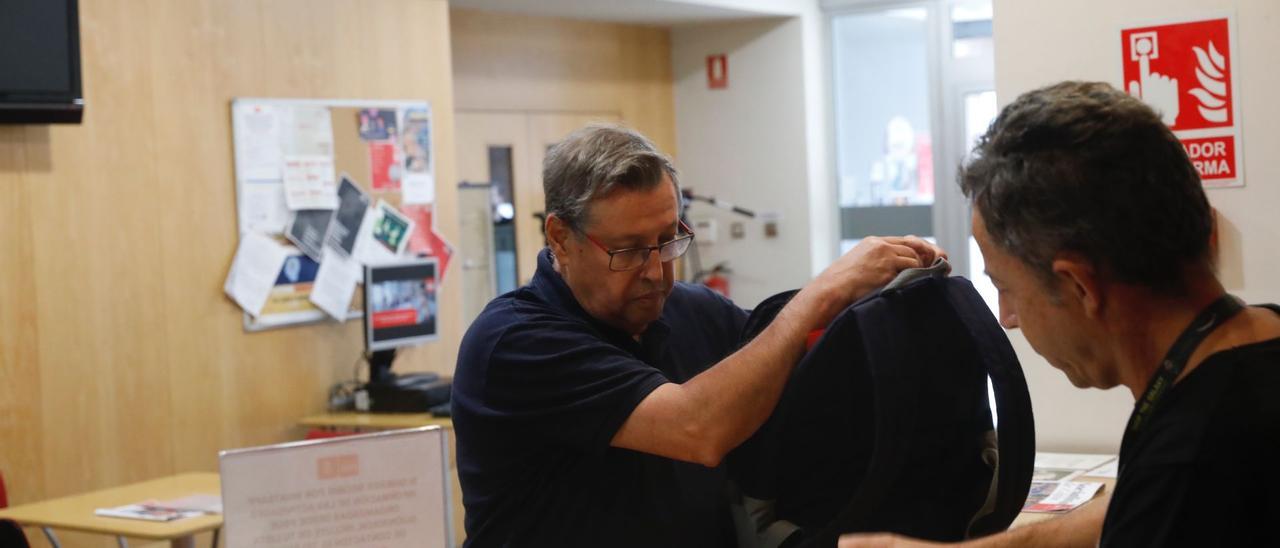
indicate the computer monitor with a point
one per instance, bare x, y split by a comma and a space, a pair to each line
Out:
400, 309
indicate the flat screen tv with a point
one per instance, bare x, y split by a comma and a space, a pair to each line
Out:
40, 62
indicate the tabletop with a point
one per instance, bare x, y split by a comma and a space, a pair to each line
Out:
75, 512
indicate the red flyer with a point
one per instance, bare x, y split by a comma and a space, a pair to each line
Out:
385, 171
425, 240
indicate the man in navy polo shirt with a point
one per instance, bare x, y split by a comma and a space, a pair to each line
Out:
594, 405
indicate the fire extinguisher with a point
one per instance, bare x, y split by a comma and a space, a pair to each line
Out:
718, 280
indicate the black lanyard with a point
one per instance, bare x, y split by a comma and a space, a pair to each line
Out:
1176, 360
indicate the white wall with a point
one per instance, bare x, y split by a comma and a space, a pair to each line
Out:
1038, 43
761, 144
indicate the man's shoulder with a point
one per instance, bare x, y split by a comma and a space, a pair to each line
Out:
517, 311
688, 299
1223, 408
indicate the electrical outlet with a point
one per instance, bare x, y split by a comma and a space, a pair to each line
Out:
706, 231
770, 220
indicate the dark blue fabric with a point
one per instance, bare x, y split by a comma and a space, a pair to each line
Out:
540, 390
881, 427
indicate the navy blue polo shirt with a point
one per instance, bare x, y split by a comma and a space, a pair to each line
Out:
540, 390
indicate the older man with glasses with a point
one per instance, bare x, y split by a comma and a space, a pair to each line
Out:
594, 405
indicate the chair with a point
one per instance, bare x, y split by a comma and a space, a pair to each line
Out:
11, 533
320, 434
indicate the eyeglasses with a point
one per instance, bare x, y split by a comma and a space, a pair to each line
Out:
622, 260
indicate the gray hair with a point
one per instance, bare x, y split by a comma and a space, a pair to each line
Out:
594, 160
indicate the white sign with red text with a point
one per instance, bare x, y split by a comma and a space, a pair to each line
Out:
381, 490
1185, 69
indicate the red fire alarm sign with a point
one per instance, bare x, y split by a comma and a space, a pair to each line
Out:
1185, 71
717, 71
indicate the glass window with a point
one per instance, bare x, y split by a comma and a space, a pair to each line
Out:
884, 139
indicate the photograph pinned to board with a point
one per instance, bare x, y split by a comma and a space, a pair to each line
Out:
307, 230
292, 288
309, 182
353, 205
391, 228
417, 183
384, 235
384, 171
425, 240
377, 124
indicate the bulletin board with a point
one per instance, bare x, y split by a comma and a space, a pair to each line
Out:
291, 158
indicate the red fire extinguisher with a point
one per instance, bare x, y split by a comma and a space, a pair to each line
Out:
718, 280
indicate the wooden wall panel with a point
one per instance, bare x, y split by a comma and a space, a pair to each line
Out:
557, 74
20, 410
542, 64
120, 358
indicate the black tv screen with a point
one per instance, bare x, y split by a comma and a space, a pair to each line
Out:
40, 62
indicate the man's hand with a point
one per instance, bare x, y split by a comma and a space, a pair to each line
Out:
874, 262
882, 540
704, 418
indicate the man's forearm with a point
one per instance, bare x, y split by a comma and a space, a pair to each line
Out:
732, 399
706, 417
1082, 527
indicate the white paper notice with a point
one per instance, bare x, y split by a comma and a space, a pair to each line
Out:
258, 148
1071, 461
335, 283
418, 188
254, 271
1108, 470
263, 207
310, 131
1065, 496
309, 182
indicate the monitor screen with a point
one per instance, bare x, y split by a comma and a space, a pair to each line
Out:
400, 303
40, 62
35, 36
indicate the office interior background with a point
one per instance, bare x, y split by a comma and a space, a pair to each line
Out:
121, 359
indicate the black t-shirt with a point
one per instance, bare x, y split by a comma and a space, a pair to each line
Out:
540, 390
1202, 471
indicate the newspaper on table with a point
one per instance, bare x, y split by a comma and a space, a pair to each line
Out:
1059, 496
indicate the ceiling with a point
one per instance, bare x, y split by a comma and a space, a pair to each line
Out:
652, 12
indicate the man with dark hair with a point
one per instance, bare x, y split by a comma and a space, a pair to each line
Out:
594, 405
1098, 236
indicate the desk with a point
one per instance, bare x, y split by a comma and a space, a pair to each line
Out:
76, 512
1027, 518
375, 421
